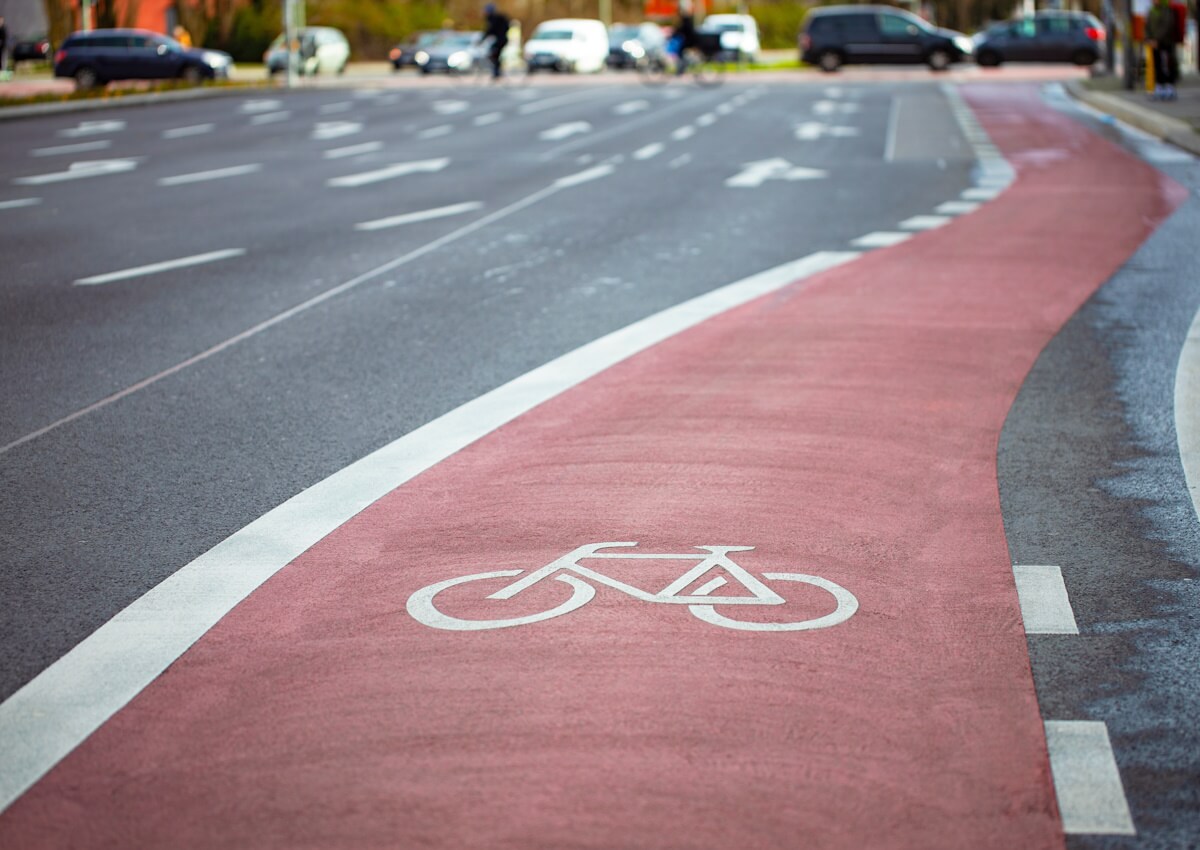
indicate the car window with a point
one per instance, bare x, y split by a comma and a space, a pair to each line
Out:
1054, 26
554, 35
859, 27
1022, 29
896, 25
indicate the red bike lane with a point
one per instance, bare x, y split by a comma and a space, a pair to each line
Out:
845, 427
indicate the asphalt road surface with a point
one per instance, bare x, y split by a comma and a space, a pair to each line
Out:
210, 309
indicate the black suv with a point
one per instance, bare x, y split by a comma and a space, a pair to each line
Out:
1045, 37
857, 35
96, 57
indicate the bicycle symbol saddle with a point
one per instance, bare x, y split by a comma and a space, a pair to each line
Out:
702, 602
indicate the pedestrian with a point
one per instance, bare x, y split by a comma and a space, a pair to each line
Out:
496, 29
1163, 37
3, 49
182, 35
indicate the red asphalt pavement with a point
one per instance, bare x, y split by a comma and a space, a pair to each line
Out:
846, 427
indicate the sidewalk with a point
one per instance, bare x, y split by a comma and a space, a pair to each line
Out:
1176, 121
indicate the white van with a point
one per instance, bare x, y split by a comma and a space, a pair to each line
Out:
739, 35
568, 44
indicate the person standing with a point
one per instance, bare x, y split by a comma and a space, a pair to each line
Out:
1163, 37
495, 28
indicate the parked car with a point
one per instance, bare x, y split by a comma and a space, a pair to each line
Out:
31, 50
97, 57
1044, 37
738, 34
852, 35
452, 53
633, 45
568, 44
316, 50
404, 54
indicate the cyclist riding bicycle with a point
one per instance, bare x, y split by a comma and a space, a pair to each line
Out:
683, 38
496, 29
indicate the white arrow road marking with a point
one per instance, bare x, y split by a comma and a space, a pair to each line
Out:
215, 174
812, 130
563, 131
19, 202
649, 151
262, 105
756, 173
190, 130
831, 107
434, 132
155, 268
82, 147
353, 150
80, 170
93, 128
423, 215
631, 106
271, 117
325, 130
390, 172
450, 107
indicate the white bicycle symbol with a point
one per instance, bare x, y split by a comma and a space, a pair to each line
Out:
701, 602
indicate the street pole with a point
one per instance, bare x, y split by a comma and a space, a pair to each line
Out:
289, 33
606, 12
1130, 66
1110, 29
86, 7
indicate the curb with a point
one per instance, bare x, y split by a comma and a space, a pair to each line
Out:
34, 110
1164, 127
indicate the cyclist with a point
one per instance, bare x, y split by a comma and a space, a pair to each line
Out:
496, 29
683, 38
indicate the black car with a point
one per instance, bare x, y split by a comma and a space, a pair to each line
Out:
633, 45
97, 57
31, 50
855, 35
1045, 37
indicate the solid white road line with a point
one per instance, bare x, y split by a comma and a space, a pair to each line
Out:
50, 716
925, 222
390, 172
1187, 410
585, 176
215, 174
271, 117
157, 268
649, 151
889, 148
82, 147
353, 150
19, 202
956, 207
881, 239
1045, 606
190, 130
1091, 798
423, 215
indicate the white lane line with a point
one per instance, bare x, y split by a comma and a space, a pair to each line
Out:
1091, 797
400, 169
725, 109
19, 202
685, 132
880, 239
488, 118
450, 107
253, 107
190, 130
353, 150
680, 161
1045, 606
981, 194
586, 176
93, 128
82, 147
326, 130
158, 268
956, 207
631, 106
551, 102
81, 170
214, 174
565, 131
649, 151
271, 117
925, 222
61, 707
339, 106
423, 215
889, 148
706, 120
1187, 410
435, 132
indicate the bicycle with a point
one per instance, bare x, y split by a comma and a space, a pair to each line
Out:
705, 63
701, 603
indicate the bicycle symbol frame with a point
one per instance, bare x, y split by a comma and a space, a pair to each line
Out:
702, 602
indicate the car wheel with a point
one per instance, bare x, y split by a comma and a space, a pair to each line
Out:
988, 59
1084, 57
938, 60
86, 78
829, 61
192, 75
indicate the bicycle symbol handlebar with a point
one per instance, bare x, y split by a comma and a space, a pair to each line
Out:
702, 602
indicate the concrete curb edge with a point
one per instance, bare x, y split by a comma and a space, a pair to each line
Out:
1164, 127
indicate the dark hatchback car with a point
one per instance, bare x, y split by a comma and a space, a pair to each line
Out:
97, 57
1045, 37
634, 45
858, 35
404, 54
31, 50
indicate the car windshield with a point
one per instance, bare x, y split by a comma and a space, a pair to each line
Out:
553, 35
621, 33
722, 27
456, 41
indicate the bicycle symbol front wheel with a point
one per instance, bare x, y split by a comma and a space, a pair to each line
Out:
847, 604
421, 608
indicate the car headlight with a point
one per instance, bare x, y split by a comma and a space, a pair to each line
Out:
964, 44
633, 49
213, 59
459, 59
422, 57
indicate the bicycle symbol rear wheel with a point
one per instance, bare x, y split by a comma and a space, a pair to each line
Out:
847, 604
421, 608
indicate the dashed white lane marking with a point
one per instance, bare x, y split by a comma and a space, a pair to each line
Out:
423, 215
450, 107
1045, 606
488, 118
214, 174
190, 130
706, 120
253, 107
684, 132
353, 150
81, 147
810, 131
586, 176
631, 106
1091, 798
19, 202
724, 109
551, 102
51, 715
925, 222
157, 268
400, 169
880, 239
435, 132
956, 207
333, 108
92, 128
649, 151
680, 161
564, 131
981, 193
832, 107
81, 170
271, 117
327, 130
